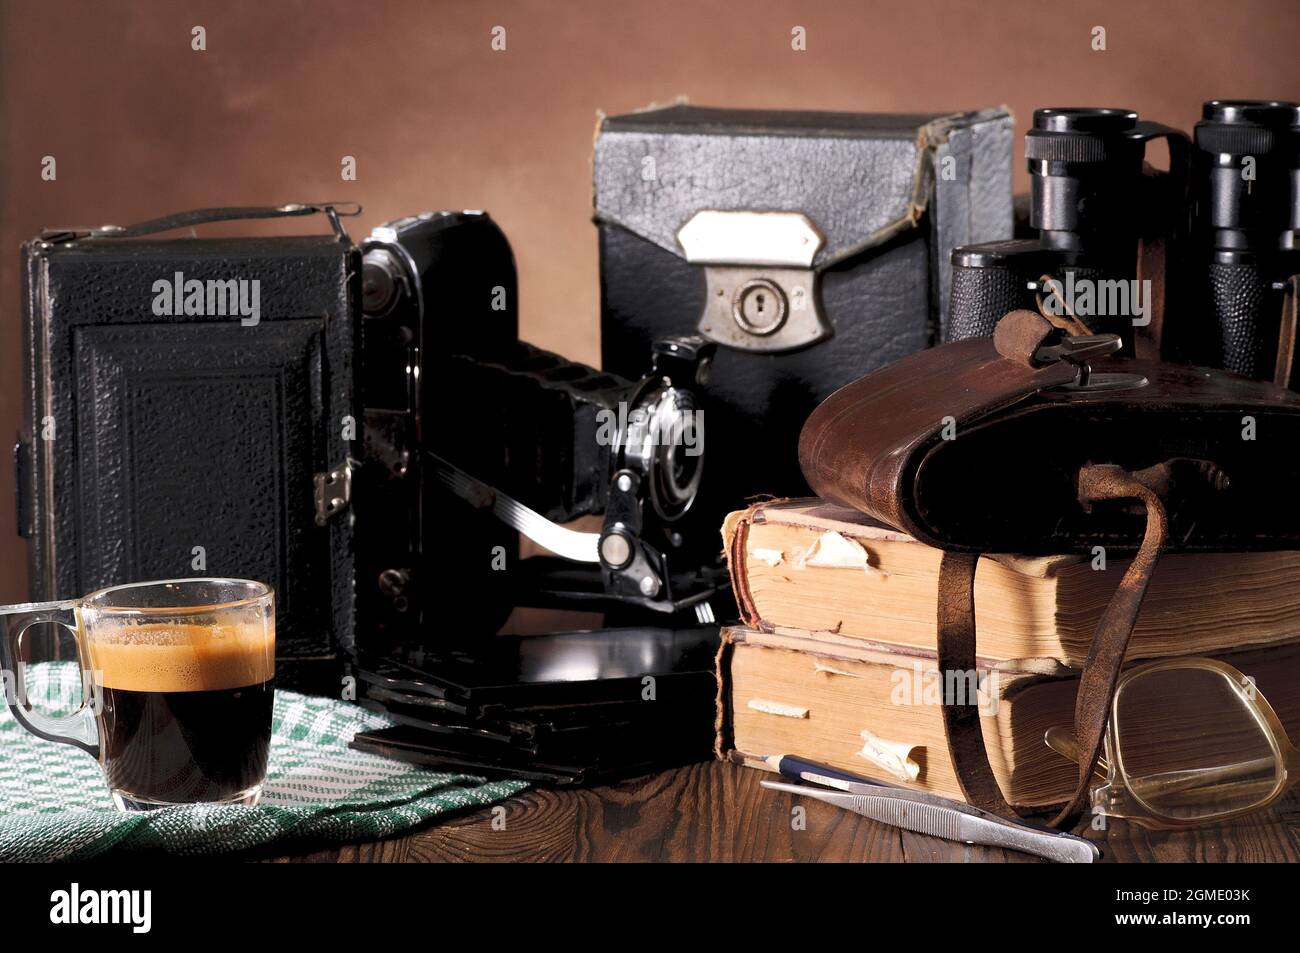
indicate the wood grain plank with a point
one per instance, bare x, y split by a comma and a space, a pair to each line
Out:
1263, 837
717, 812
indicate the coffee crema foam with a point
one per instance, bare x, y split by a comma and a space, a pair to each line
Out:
176, 657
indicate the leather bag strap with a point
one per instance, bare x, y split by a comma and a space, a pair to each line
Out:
1110, 640
1152, 266
1287, 331
961, 717
956, 644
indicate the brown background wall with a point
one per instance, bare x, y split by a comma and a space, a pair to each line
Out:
141, 125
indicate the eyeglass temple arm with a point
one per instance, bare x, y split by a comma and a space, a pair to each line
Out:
1061, 740
1171, 781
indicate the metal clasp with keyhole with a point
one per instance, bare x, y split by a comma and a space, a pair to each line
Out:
760, 307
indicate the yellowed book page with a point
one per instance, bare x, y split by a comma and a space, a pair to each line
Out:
813, 567
886, 590
855, 715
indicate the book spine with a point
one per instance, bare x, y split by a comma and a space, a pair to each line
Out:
735, 533
723, 739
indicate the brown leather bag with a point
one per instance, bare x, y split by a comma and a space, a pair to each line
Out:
1027, 442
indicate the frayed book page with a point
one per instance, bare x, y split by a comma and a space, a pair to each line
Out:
777, 708
825, 668
831, 550
893, 756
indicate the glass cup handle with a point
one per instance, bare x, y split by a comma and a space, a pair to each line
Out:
77, 728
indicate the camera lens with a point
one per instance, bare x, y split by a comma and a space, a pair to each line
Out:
667, 447
381, 282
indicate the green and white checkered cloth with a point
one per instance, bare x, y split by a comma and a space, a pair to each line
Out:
55, 805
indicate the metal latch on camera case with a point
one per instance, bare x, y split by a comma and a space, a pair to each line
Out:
760, 287
333, 491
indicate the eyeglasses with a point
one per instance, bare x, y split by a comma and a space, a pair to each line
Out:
1190, 741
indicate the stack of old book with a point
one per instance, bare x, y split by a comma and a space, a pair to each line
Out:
835, 660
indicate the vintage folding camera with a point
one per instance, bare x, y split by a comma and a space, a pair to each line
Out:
357, 425
474, 437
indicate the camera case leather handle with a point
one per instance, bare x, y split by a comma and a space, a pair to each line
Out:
333, 211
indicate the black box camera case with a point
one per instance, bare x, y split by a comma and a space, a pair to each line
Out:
811, 247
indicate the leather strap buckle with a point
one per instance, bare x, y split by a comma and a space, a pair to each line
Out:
1080, 351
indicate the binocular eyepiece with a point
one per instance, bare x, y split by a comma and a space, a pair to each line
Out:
1085, 167
1247, 171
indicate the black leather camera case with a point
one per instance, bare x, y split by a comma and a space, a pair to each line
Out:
850, 217
159, 446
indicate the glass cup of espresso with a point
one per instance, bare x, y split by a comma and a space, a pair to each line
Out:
178, 683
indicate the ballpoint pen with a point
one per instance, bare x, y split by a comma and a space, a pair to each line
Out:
927, 813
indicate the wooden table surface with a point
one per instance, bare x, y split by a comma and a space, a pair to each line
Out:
717, 812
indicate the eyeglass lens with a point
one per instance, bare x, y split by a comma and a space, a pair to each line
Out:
1190, 744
